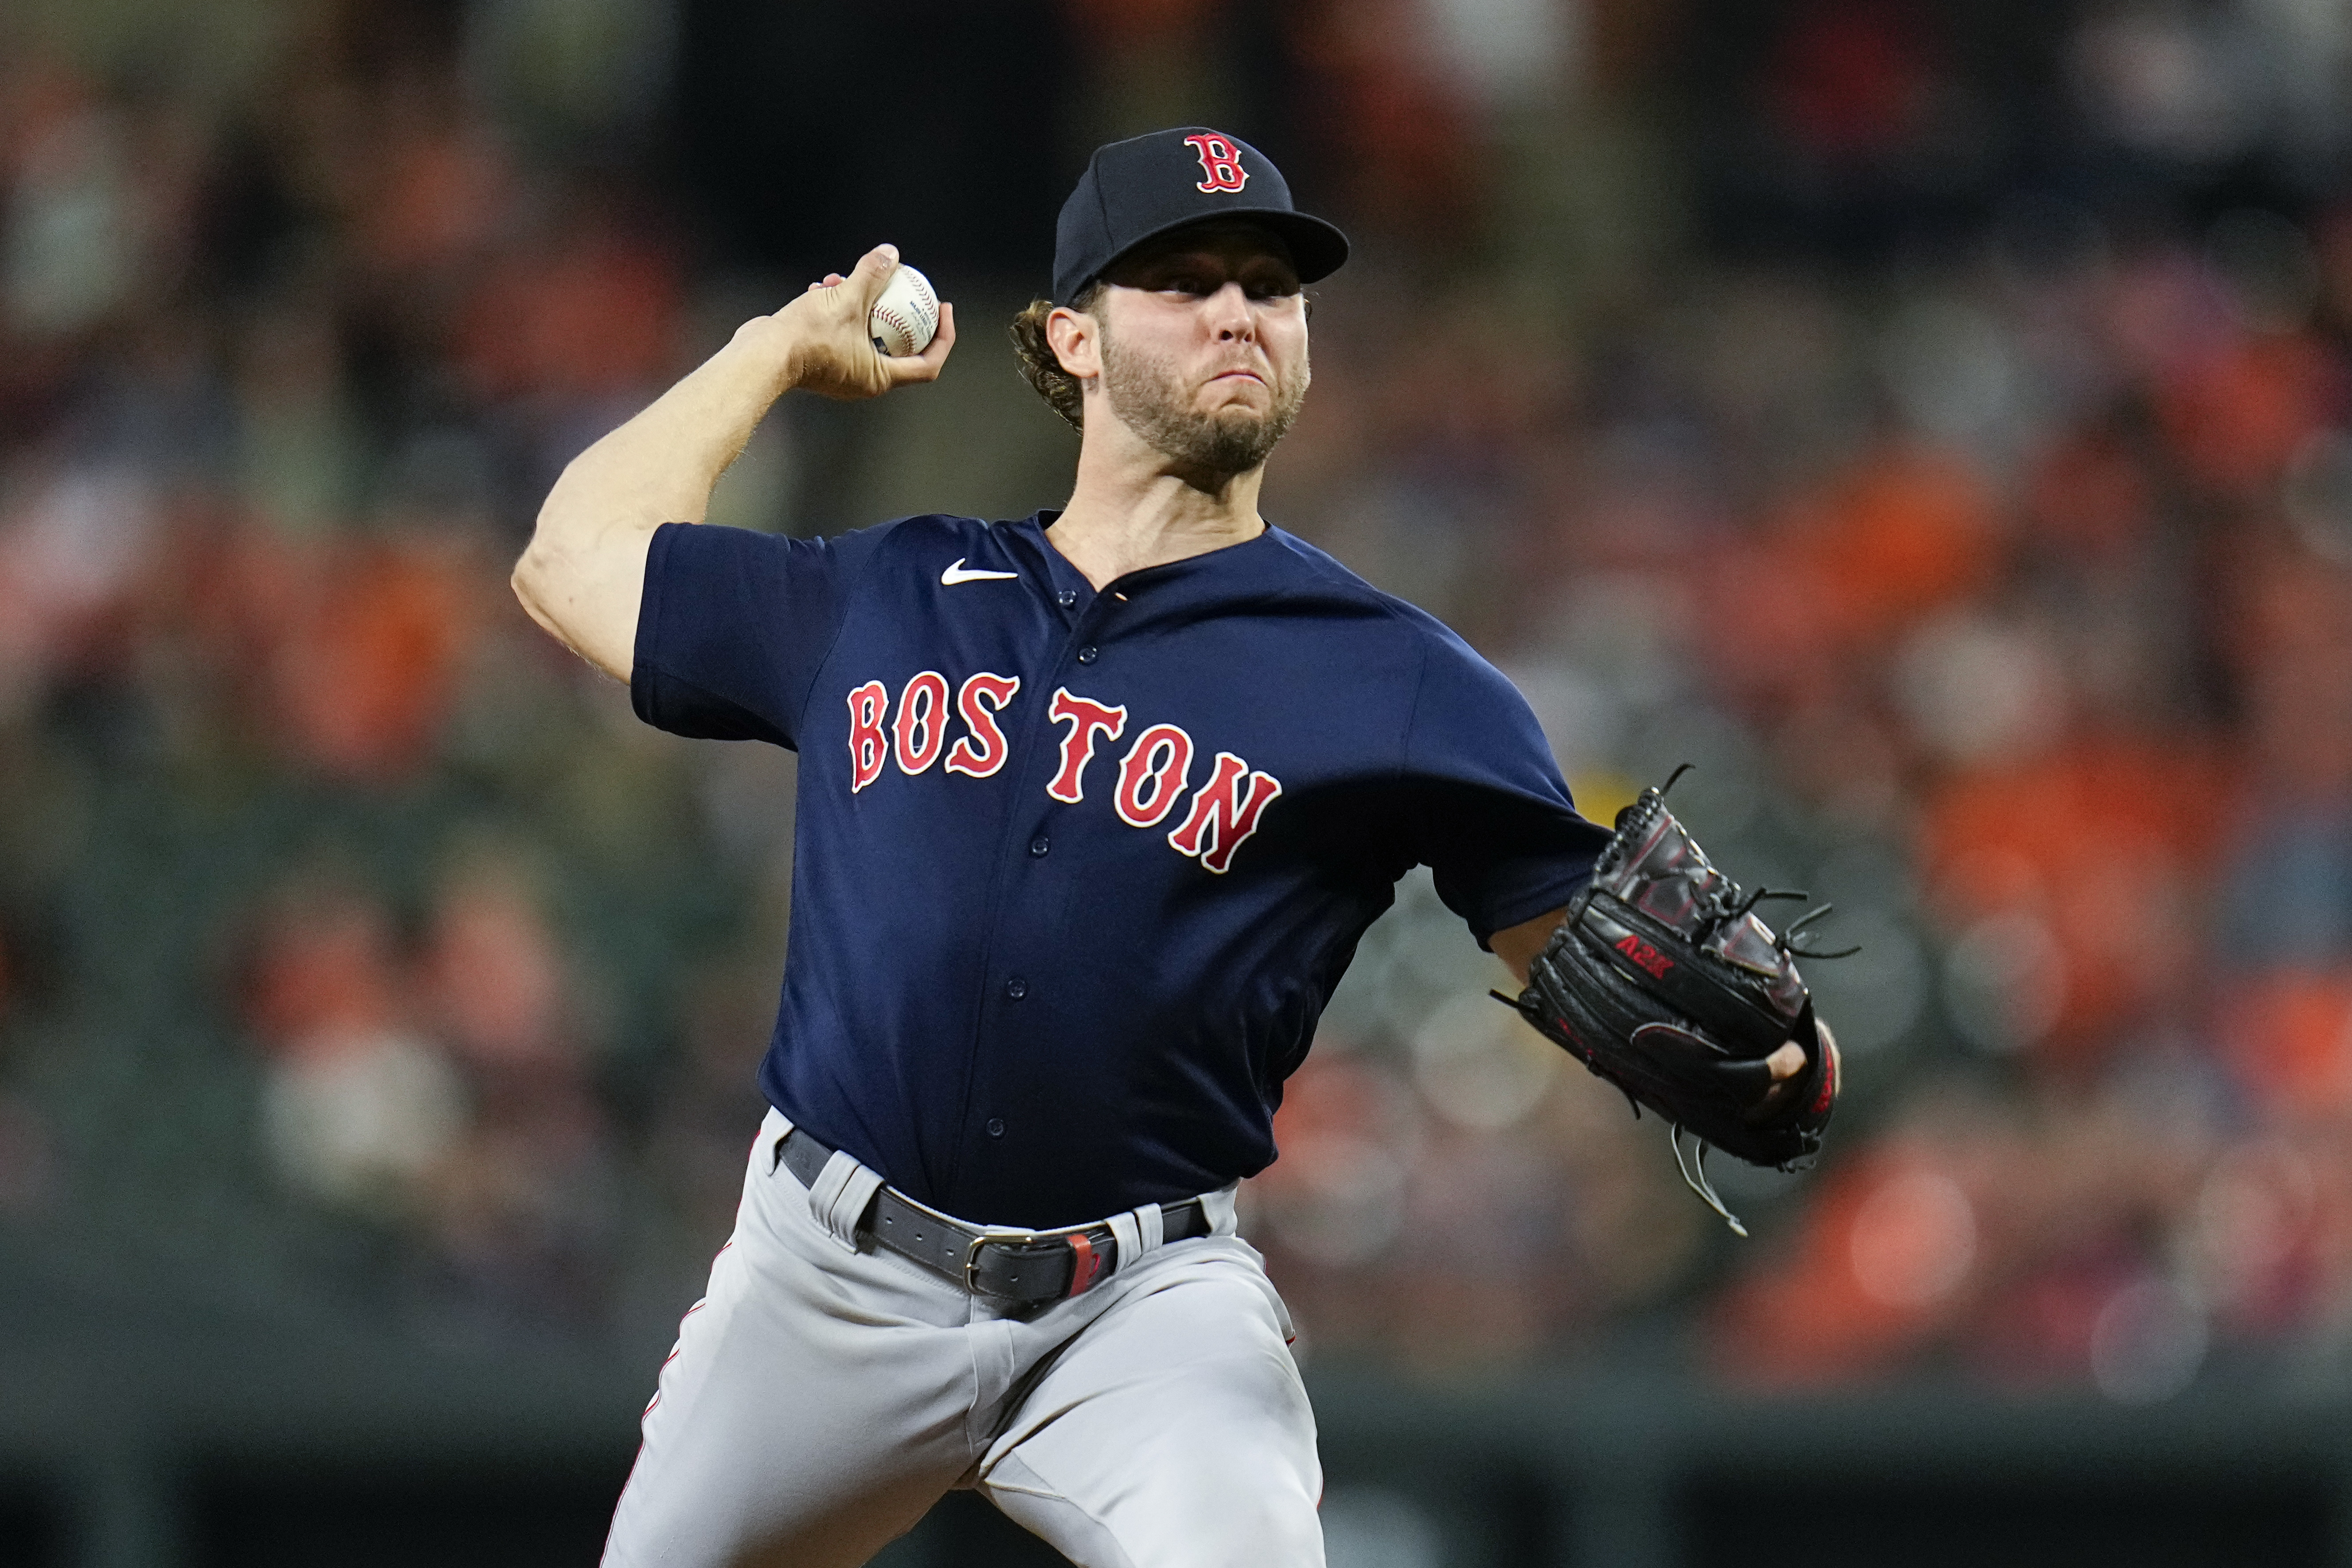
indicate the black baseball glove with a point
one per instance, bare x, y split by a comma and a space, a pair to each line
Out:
1661, 980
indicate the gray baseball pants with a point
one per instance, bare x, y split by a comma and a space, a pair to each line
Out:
824, 1394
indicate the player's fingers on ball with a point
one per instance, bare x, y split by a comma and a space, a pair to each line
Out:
1787, 1061
925, 366
874, 269
905, 368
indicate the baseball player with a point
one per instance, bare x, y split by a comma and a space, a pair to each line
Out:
1093, 809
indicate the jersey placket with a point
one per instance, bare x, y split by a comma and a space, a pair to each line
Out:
1013, 962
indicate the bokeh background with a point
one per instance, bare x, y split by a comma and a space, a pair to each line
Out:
1933, 420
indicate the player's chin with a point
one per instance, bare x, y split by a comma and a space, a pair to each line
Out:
1240, 411
1238, 408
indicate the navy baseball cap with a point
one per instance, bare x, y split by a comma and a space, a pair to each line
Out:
1137, 190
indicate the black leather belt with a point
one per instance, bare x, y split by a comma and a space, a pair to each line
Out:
1030, 1268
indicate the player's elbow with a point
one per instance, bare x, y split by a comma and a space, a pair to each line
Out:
563, 540
529, 579
539, 581
584, 595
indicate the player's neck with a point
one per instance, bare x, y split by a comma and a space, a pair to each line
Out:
1128, 511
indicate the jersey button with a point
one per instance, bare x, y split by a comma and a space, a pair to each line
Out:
1016, 987
1040, 844
1086, 654
996, 1126
1066, 598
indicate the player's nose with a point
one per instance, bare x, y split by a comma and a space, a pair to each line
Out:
1230, 314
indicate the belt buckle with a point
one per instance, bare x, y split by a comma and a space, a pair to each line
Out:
1086, 1261
972, 1258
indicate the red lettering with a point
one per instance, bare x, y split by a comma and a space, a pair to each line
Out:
1152, 774
1645, 957
978, 760
1225, 811
868, 745
1086, 720
1221, 160
921, 730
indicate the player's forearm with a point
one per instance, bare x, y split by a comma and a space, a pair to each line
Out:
583, 572
1516, 946
660, 466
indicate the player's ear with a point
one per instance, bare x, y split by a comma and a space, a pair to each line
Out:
1075, 338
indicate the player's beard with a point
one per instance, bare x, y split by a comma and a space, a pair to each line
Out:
1148, 395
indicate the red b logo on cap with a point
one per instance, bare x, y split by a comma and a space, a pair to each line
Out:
1221, 160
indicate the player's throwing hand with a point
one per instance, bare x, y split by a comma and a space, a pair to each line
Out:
825, 346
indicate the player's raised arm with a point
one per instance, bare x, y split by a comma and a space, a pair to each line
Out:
583, 572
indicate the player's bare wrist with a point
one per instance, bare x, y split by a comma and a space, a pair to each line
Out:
771, 343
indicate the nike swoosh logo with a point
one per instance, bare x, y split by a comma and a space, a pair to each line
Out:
957, 573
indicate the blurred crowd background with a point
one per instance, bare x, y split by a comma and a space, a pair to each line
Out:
1932, 421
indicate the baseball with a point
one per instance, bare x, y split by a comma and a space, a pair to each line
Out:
904, 318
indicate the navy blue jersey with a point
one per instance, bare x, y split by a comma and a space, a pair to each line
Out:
1076, 873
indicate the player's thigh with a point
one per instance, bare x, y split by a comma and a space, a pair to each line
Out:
1172, 1432
806, 1417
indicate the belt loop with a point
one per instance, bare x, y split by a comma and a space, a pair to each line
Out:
775, 1129
1140, 1232
1218, 1208
839, 1195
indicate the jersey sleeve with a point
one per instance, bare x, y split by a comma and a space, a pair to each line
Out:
734, 625
1494, 820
